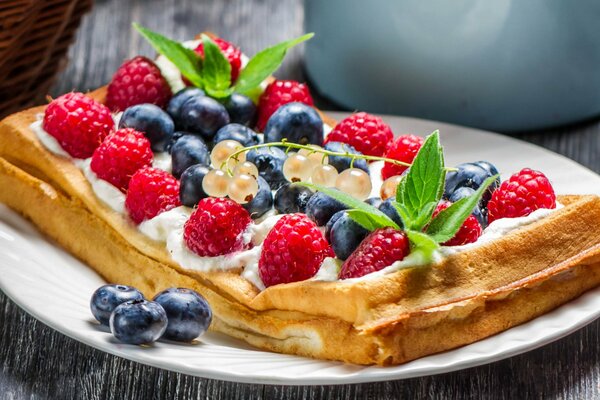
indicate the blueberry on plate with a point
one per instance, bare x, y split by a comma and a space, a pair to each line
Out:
106, 298
190, 185
488, 166
188, 313
152, 121
470, 175
321, 207
344, 234
187, 151
239, 133
174, 106
203, 115
269, 162
291, 198
138, 322
296, 122
241, 109
342, 163
374, 201
262, 202
479, 212
388, 209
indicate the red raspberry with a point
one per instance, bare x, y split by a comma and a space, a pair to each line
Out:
231, 53
137, 81
469, 232
278, 93
78, 122
365, 132
404, 148
151, 192
120, 156
292, 251
216, 226
520, 195
378, 250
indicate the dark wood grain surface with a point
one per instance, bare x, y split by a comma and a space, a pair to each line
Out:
37, 362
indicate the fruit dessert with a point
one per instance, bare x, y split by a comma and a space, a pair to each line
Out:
306, 236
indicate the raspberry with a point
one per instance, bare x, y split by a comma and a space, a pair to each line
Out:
520, 195
216, 227
278, 93
366, 133
137, 81
292, 251
469, 231
151, 191
120, 156
231, 53
378, 250
78, 122
404, 148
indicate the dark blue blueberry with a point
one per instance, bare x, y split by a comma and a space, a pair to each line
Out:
106, 298
296, 122
190, 185
374, 201
469, 175
291, 198
488, 166
320, 208
330, 224
388, 209
345, 235
138, 322
203, 115
262, 202
239, 133
152, 121
269, 161
187, 151
340, 162
241, 109
176, 136
478, 212
174, 106
188, 314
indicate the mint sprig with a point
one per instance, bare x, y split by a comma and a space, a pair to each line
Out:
217, 70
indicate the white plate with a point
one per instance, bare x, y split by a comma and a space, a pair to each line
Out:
55, 288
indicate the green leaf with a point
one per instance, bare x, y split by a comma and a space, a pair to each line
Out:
424, 216
445, 225
216, 70
422, 245
364, 219
377, 218
186, 60
264, 63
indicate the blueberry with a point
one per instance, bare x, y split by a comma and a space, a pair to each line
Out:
320, 208
262, 202
269, 161
478, 211
203, 115
469, 175
292, 198
345, 235
174, 106
296, 122
151, 120
388, 209
239, 133
188, 314
340, 162
488, 166
190, 185
374, 201
138, 322
187, 151
330, 224
106, 298
241, 109
176, 136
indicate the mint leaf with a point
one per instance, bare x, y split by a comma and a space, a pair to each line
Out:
445, 225
364, 219
264, 63
422, 245
186, 60
216, 70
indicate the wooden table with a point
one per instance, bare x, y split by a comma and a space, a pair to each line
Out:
38, 362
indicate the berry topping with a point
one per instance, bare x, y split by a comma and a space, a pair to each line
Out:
216, 227
262, 202
340, 162
404, 148
380, 249
295, 122
152, 121
478, 212
291, 198
241, 109
190, 189
366, 133
292, 251
151, 191
344, 234
174, 106
231, 53
320, 208
520, 195
106, 298
187, 151
238, 132
78, 123
278, 93
137, 81
471, 175
469, 231
188, 313
120, 156
203, 115
138, 322
269, 161
388, 209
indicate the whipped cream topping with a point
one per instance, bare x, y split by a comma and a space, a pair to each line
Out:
49, 141
109, 194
